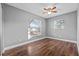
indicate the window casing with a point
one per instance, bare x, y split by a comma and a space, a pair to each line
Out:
59, 24
34, 28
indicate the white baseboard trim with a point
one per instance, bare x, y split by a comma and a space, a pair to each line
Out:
62, 39
10, 47
14, 46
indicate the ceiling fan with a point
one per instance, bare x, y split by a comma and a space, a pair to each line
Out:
50, 10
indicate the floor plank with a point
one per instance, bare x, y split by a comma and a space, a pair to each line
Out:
45, 47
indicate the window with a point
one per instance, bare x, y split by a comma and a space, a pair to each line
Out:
59, 24
34, 28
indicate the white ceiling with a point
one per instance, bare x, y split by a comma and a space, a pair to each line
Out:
36, 8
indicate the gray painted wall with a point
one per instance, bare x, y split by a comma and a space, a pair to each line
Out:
15, 25
16, 21
78, 28
0, 25
70, 27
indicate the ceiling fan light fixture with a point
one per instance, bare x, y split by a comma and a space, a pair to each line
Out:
49, 13
50, 10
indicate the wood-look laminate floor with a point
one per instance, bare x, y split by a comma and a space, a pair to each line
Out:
45, 47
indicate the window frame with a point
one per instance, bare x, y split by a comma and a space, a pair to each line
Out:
56, 25
39, 26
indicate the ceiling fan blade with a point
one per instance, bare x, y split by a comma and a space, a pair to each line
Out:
53, 8
45, 9
54, 11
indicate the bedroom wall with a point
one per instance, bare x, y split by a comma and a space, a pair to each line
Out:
78, 28
15, 25
0, 25
70, 27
